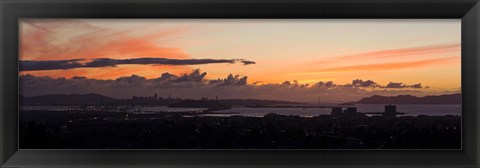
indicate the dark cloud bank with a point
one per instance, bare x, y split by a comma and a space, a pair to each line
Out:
390, 85
195, 85
29, 65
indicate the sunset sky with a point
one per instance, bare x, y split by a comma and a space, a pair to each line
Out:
266, 51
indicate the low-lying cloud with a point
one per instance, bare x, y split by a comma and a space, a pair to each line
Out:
361, 83
398, 85
195, 85
30, 65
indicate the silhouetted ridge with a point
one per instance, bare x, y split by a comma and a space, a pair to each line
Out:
409, 99
72, 99
97, 99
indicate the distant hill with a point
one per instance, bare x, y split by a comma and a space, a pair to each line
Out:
72, 99
97, 99
408, 99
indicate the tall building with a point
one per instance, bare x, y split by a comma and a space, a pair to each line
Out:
155, 96
390, 111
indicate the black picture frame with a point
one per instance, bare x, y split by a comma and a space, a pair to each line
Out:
466, 10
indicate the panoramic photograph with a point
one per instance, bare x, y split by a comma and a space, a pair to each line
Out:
240, 84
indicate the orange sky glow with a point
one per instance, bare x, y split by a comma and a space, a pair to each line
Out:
308, 51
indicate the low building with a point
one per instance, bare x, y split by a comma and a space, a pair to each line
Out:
350, 111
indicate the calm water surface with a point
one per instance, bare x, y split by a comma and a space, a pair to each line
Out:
410, 109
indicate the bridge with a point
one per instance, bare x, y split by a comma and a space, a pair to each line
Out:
382, 113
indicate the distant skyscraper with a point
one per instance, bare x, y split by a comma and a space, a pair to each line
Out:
155, 97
